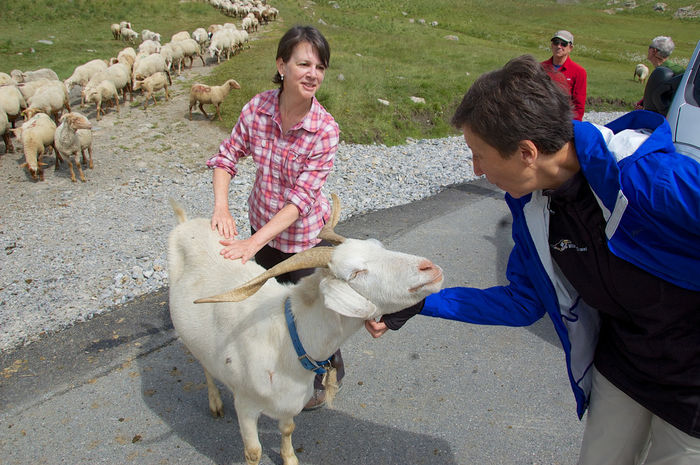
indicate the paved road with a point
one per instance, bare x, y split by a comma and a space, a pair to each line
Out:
121, 388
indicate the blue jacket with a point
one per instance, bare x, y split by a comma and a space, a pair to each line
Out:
650, 198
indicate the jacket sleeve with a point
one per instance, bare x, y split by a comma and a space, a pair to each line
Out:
516, 304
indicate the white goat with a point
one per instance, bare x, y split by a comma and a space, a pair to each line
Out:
68, 143
247, 345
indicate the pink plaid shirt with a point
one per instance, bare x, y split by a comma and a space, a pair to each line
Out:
290, 168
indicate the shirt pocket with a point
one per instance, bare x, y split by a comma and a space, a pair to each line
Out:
261, 150
293, 165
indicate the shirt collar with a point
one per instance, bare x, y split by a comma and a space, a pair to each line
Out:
311, 122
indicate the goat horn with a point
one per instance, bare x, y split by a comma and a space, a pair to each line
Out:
328, 232
316, 257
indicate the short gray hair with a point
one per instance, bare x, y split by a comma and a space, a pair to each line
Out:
664, 45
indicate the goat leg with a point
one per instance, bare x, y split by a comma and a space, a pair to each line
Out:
248, 424
286, 427
216, 406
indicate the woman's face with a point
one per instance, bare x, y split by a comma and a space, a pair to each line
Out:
303, 72
512, 174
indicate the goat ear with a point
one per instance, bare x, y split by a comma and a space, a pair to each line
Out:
342, 299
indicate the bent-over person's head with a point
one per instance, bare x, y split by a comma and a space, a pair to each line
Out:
515, 103
295, 36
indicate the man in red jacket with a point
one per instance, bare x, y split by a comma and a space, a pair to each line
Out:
562, 69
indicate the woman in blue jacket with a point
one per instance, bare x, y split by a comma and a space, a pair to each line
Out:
606, 225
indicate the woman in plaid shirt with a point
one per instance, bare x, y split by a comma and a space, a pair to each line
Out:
293, 141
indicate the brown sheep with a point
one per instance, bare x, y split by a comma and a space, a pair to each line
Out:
202, 93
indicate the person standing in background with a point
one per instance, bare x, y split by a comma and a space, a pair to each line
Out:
565, 72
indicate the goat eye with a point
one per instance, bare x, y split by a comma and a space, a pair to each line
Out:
356, 273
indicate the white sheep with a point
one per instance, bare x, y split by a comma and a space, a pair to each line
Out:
124, 24
222, 41
129, 35
149, 65
150, 35
191, 50
149, 46
12, 102
173, 54
6, 79
82, 74
246, 344
201, 36
151, 84
182, 35
5, 127
27, 76
49, 99
116, 30
202, 93
120, 76
640, 72
103, 92
67, 141
36, 134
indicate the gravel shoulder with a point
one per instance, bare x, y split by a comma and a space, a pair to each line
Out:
69, 251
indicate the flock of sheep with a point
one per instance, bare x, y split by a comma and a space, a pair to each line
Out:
39, 97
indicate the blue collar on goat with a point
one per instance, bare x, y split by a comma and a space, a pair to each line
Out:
306, 361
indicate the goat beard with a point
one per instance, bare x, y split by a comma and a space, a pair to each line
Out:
330, 383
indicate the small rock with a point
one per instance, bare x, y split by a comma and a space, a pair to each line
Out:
45, 42
451, 37
417, 99
341, 77
383, 102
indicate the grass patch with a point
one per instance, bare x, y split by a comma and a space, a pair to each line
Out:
378, 50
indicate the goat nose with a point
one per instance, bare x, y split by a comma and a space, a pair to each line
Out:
426, 265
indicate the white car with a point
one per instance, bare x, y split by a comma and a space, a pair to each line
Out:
684, 113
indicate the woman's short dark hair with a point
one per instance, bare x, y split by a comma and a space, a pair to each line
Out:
295, 36
515, 103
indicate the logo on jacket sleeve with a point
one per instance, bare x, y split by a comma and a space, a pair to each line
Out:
566, 244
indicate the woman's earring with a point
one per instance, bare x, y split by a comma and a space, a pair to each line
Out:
282, 76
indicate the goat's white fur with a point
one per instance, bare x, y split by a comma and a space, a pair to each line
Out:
246, 345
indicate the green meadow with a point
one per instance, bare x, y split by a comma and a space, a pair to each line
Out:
380, 49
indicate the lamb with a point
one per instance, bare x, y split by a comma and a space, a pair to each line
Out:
202, 93
118, 73
5, 131
149, 65
246, 345
27, 76
153, 84
640, 73
104, 91
50, 99
36, 134
12, 102
68, 143
124, 24
150, 35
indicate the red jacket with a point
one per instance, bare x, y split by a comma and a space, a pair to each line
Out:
573, 81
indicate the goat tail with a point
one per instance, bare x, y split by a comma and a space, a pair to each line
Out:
178, 210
